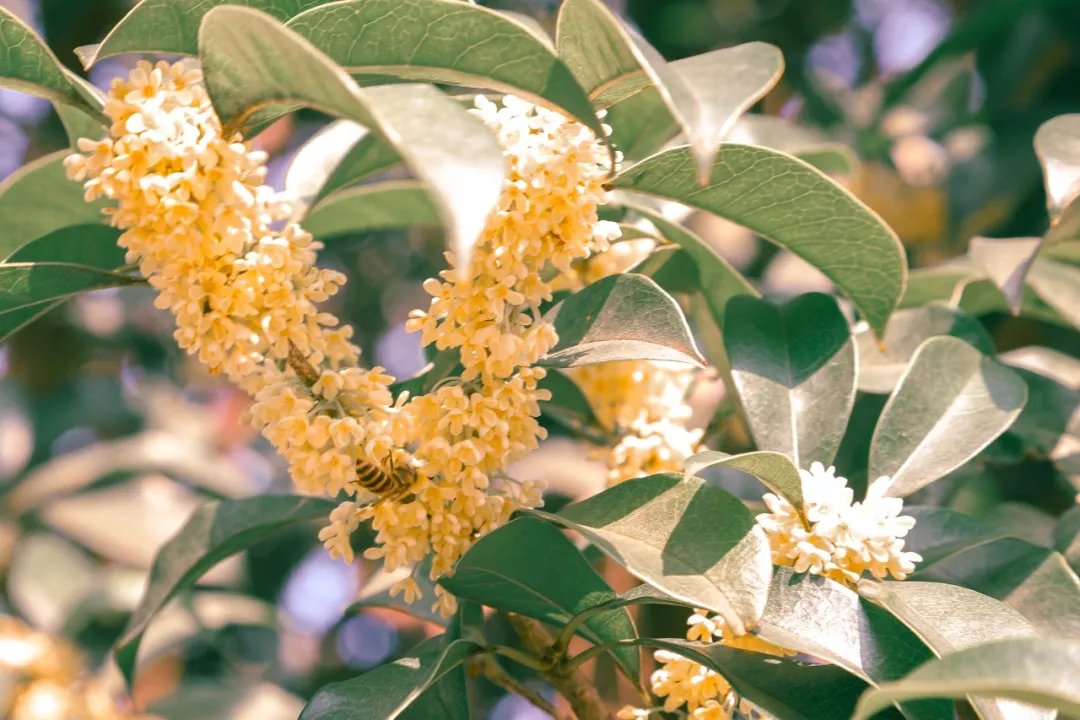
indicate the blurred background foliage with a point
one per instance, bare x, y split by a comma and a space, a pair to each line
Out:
109, 437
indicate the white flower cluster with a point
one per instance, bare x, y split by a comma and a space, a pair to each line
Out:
840, 539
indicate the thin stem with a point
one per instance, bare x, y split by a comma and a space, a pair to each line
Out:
494, 672
519, 657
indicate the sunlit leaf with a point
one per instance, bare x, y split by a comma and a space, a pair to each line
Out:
950, 404
621, 317
445, 41
370, 208
691, 540
1006, 262
1058, 285
950, 618
794, 368
882, 363
28, 65
940, 533
366, 157
1059, 154
794, 205
1039, 671
172, 26
320, 155
215, 531
251, 63
613, 63
1060, 367
774, 470
505, 571
802, 142
389, 690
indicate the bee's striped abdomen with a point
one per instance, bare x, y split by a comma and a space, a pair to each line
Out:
379, 481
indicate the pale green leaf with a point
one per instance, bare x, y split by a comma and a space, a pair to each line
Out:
621, 317
368, 156
369, 208
252, 62
1006, 262
79, 123
445, 41
1058, 285
319, 156
1057, 145
949, 405
882, 363
693, 541
172, 26
214, 532
797, 207
773, 469
613, 63
1058, 366
1039, 671
28, 65
794, 367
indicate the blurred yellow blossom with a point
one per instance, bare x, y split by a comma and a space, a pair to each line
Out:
841, 539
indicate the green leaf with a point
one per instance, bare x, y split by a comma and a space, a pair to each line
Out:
802, 142
1031, 579
388, 691
214, 531
641, 124
621, 317
1063, 369
881, 364
445, 41
1058, 285
172, 26
38, 198
319, 155
940, 533
671, 268
79, 123
570, 408
1049, 426
89, 245
1067, 536
950, 618
14, 320
949, 405
251, 62
370, 208
773, 469
368, 156
784, 687
505, 571
717, 279
1006, 262
28, 65
1039, 671
613, 63
794, 368
826, 620
23, 284
1059, 154
794, 205
693, 541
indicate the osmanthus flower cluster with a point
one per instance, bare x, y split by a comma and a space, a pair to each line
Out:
643, 403
46, 679
242, 284
839, 539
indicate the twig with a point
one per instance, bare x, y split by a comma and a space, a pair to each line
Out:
494, 672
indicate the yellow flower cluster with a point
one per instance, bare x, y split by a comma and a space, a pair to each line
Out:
43, 678
472, 426
840, 540
642, 403
200, 222
703, 693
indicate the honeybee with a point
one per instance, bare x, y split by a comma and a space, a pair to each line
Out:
386, 483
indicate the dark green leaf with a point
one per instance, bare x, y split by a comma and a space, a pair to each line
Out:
251, 62
621, 317
28, 65
445, 41
794, 368
214, 532
881, 364
671, 268
38, 198
388, 691
940, 533
1049, 425
773, 469
172, 26
794, 205
446, 363
369, 208
1030, 670
641, 124
950, 404
368, 156
693, 541
23, 284
529, 567
14, 320
89, 245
